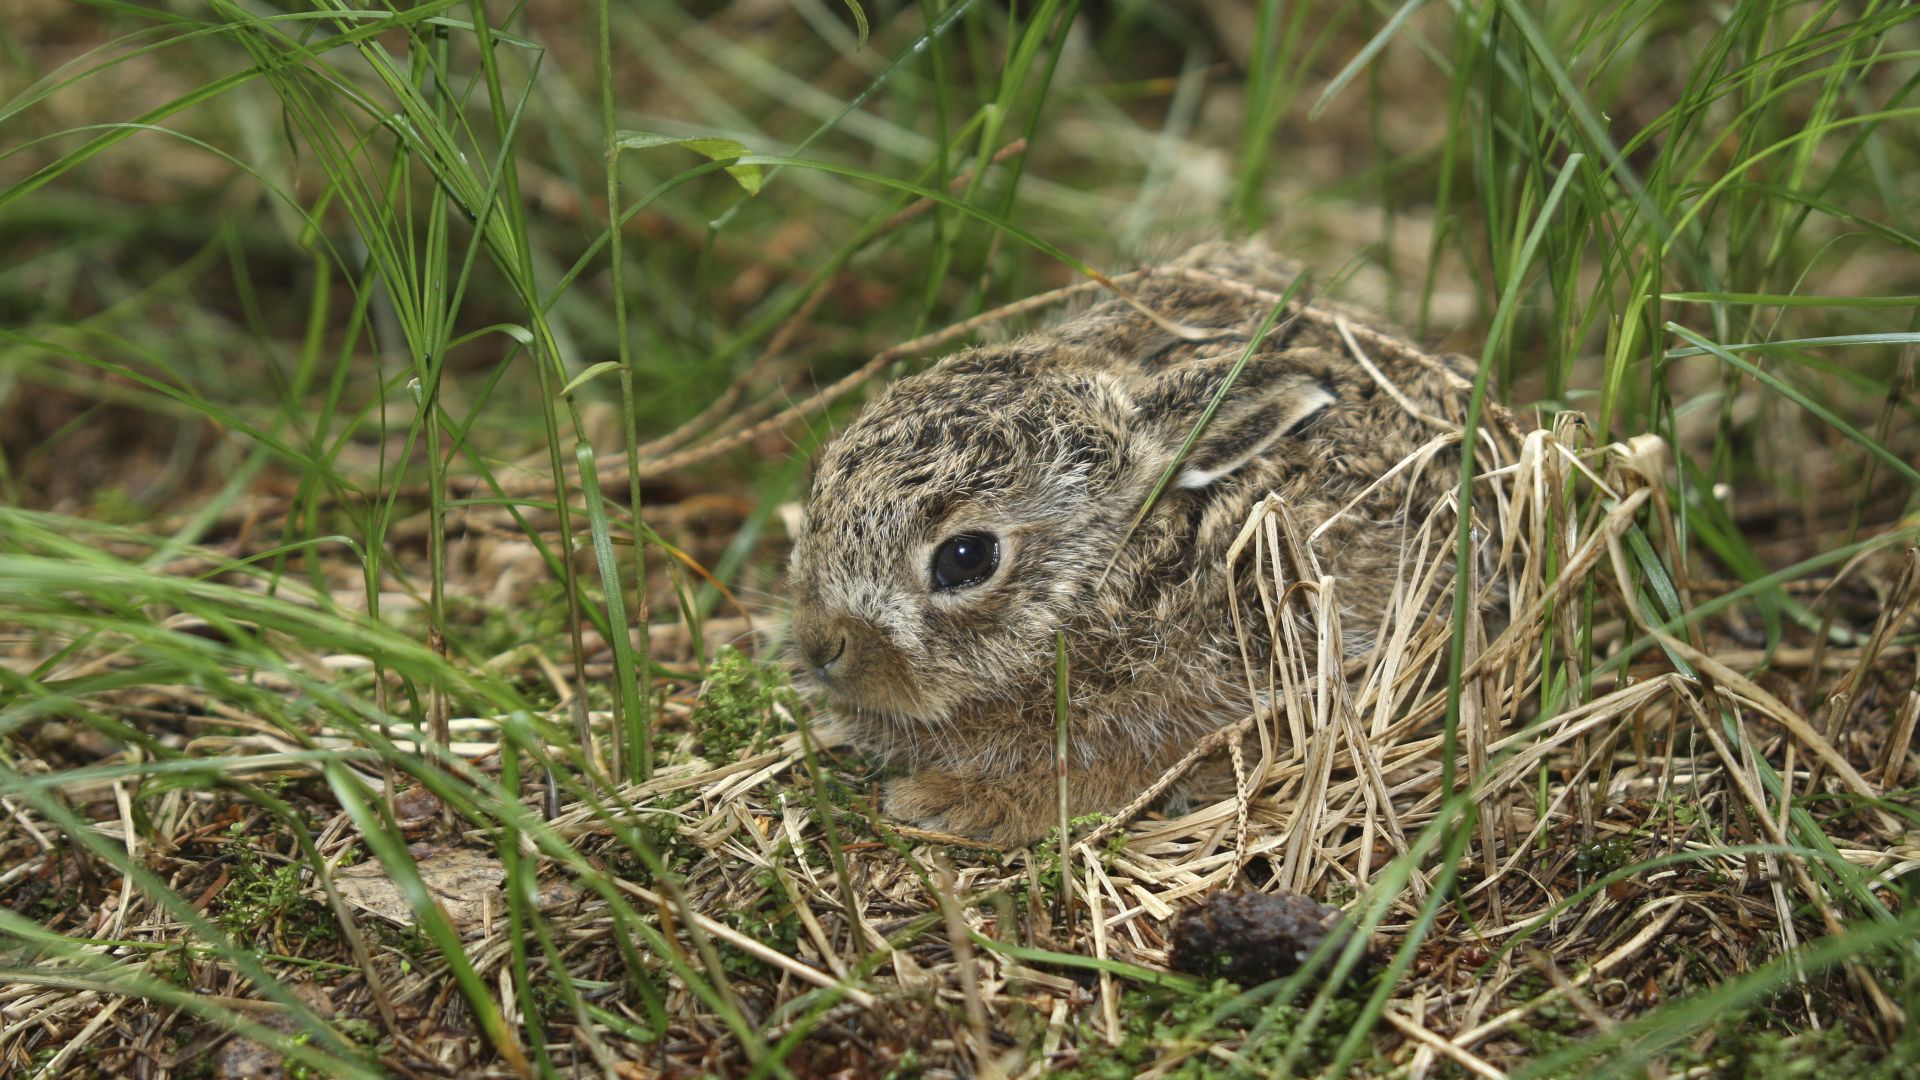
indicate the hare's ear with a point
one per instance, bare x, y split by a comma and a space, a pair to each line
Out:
1267, 402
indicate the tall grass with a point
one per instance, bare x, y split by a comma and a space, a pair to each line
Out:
335, 268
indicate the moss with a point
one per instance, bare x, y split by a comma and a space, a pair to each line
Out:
1603, 857
261, 896
770, 920
1752, 1043
1176, 1036
736, 711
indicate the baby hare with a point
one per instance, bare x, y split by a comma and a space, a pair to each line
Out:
974, 509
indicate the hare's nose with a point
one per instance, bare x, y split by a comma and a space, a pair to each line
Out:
820, 640
823, 654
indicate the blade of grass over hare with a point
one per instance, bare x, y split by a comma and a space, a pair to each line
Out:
1267, 325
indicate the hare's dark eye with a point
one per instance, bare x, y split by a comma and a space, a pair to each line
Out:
967, 559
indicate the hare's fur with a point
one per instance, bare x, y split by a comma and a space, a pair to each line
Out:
1051, 444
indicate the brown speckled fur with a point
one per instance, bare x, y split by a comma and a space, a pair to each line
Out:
1052, 442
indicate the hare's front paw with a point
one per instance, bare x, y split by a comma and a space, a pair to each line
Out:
924, 799
993, 809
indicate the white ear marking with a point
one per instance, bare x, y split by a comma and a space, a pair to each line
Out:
1301, 408
1311, 400
1199, 478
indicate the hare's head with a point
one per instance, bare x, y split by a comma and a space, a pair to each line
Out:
952, 527
971, 510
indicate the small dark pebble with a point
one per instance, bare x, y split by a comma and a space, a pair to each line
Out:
1252, 937
415, 805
